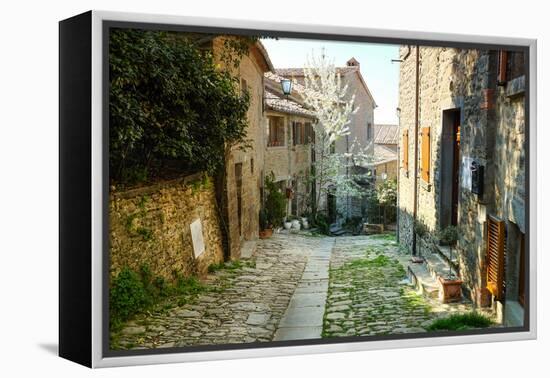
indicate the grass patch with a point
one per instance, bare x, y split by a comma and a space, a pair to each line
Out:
460, 322
388, 236
134, 293
231, 266
379, 261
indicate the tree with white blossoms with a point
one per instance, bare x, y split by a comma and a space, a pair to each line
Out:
327, 97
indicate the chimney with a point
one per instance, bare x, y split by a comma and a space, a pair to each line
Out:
352, 63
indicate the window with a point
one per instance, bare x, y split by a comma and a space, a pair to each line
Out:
496, 254
405, 151
299, 133
276, 132
252, 166
302, 133
369, 131
511, 64
425, 158
310, 133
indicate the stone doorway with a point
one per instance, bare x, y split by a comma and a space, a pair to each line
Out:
239, 189
331, 205
450, 168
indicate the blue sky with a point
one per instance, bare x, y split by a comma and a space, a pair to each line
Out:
381, 75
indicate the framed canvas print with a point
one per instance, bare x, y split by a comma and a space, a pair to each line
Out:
233, 189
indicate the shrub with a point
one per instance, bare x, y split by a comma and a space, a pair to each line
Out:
171, 107
134, 292
127, 296
275, 202
264, 224
321, 221
460, 322
449, 235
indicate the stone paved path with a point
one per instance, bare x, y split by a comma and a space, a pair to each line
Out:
369, 294
295, 287
304, 316
244, 305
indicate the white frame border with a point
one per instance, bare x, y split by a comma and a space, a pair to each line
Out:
97, 186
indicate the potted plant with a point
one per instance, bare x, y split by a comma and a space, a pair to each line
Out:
451, 286
421, 230
275, 202
266, 229
294, 222
305, 222
287, 224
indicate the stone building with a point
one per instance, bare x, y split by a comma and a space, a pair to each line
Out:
361, 129
243, 173
288, 144
386, 138
462, 162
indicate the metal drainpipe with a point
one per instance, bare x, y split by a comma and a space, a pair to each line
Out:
415, 172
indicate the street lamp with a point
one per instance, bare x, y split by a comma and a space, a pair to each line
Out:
286, 86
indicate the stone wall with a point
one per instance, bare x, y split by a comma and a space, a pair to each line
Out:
151, 226
251, 160
491, 133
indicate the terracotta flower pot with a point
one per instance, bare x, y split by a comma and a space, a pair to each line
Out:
450, 290
266, 234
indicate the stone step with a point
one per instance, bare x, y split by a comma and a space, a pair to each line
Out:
437, 265
445, 252
248, 248
422, 279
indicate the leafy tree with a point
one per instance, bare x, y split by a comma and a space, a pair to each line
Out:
171, 108
333, 107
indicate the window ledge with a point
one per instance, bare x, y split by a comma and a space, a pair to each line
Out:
516, 87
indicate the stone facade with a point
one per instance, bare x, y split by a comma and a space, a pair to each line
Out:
151, 226
291, 164
243, 174
463, 83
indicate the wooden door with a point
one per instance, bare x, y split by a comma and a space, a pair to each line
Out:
239, 190
456, 168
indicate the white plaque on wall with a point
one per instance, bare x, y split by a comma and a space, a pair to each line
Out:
196, 236
466, 172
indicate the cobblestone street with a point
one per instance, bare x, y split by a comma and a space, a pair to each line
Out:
287, 291
370, 295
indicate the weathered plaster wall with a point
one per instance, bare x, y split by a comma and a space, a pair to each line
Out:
151, 226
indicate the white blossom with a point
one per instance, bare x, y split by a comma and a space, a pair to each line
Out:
329, 100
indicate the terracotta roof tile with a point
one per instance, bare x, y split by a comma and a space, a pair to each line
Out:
276, 102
